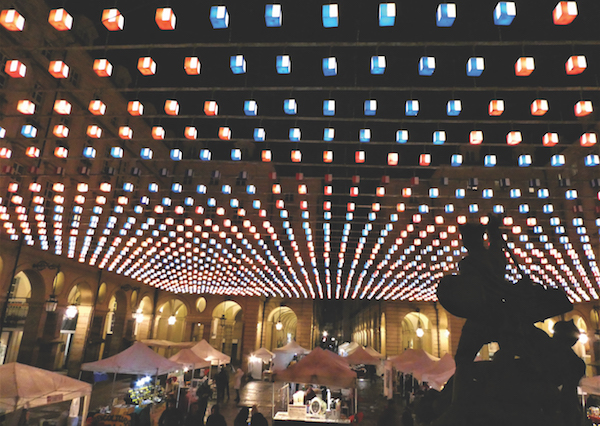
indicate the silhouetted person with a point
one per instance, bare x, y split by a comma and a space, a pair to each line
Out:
389, 416
203, 393
215, 418
171, 416
242, 417
237, 383
257, 418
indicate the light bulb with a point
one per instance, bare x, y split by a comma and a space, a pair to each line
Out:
279, 325
420, 332
71, 311
172, 320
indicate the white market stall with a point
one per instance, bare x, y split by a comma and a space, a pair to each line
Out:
284, 355
205, 351
347, 348
437, 376
257, 360
23, 386
188, 358
373, 352
361, 356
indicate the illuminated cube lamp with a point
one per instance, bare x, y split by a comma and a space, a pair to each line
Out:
93, 131
487, 193
273, 15
165, 18
490, 160
583, 108
446, 14
475, 66
515, 193
125, 132
476, 137
330, 15
524, 160
453, 108
259, 134
539, 107
60, 19
387, 14
588, 139
12, 20
456, 160
61, 152
250, 107
504, 13
211, 108
5, 153
236, 154
330, 66
266, 156
327, 156
190, 132
564, 13
557, 160
158, 133
112, 19
370, 107
97, 107
237, 63
514, 138
424, 159
328, 134
592, 160
360, 156
571, 194
171, 107
25, 106
295, 134
32, 152
192, 65
378, 65
290, 107
58, 69
205, 155
117, 152
219, 17
496, 107
364, 135
576, 65
402, 136
2, 132
146, 65
15, 68
411, 108
283, 64
60, 131
329, 107
524, 66
550, 139
426, 65
439, 137
354, 191
393, 158
296, 156
135, 108
102, 68
224, 133
146, 154
29, 131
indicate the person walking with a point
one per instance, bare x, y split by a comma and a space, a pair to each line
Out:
220, 381
242, 417
225, 382
203, 393
215, 418
237, 383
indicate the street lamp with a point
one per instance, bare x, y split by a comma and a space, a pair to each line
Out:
420, 332
279, 325
52, 302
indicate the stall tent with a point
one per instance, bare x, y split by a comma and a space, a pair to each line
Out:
189, 358
284, 355
413, 361
361, 356
205, 351
439, 374
256, 361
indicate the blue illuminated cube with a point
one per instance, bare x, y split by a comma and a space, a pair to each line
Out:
377, 64
177, 188
524, 160
434, 192
329, 66
454, 107
571, 194
290, 106
234, 202
515, 193
473, 208
423, 208
250, 107
504, 13
364, 135
328, 134
128, 187
370, 107
523, 208
489, 160
349, 216
475, 66
29, 131
283, 63
487, 193
439, 137
412, 108
219, 17
256, 204
188, 201
592, 160
166, 201
146, 153
153, 187
295, 134
548, 208
426, 65
116, 152
236, 154
250, 189
237, 64
2, 132
543, 193
387, 14
273, 15
402, 136
89, 152
205, 155
498, 209
329, 107
330, 15
557, 160
456, 160
449, 208
176, 154
259, 134
446, 14
211, 202
460, 193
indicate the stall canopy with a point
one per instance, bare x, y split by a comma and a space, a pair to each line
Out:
159, 343
285, 354
347, 348
137, 359
361, 356
440, 373
413, 361
25, 386
205, 351
318, 368
373, 352
264, 354
188, 358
